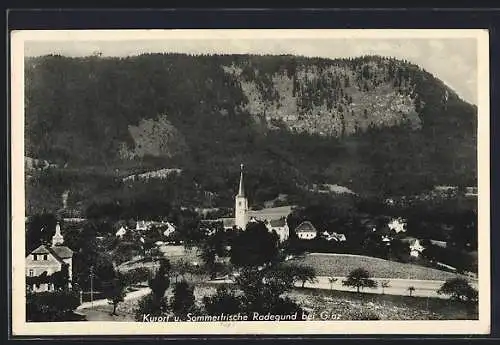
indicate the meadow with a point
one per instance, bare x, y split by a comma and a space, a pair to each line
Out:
339, 265
346, 305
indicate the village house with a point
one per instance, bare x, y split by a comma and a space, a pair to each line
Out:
47, 259
281, 228
169, 230
141, 225
306, 231
416, 248
121, 232
336, 237
470, 192
398, 225
387, 240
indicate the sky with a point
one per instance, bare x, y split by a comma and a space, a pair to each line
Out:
453, 60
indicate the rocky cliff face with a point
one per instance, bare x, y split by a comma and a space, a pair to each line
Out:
330, 102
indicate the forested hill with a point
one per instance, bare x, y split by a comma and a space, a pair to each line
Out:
368, 123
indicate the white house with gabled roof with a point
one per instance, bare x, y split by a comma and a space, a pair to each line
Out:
47, 259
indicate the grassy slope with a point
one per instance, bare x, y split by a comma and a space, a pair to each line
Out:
341, 264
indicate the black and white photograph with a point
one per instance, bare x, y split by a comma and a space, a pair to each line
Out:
250, 181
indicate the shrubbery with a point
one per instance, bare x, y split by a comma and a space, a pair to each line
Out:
459, 289
51, 306
136, 276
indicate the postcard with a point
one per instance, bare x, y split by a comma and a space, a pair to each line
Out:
281, 182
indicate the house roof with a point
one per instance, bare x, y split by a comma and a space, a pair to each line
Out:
42, 249
62, 251
442, 244
305, 226
59, 252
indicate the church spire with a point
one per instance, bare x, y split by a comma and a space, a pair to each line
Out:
57, 239
241, 191
241, 206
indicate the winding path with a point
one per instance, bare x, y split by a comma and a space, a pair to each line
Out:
100, 302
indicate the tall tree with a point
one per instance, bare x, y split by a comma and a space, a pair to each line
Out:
360, 278
183, 301
115, 290
255, 246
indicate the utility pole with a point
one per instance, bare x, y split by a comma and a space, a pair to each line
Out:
91, 287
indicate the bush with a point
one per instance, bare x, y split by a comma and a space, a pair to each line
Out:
51, 306
136, 276
182, 302
161, 281
300, 273
224, 301
151, 305
459, 289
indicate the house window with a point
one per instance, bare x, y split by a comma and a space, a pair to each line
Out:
45, 256
35, 258
30, 273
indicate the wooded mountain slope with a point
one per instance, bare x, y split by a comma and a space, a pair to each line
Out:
371, 123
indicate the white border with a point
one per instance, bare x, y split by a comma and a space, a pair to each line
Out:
20, 327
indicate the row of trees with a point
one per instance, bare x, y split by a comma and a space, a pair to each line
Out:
458, 289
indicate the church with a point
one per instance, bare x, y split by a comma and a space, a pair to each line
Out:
242, 214
46, 260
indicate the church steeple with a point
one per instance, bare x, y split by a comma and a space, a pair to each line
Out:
241, 191
241, 205
58, 238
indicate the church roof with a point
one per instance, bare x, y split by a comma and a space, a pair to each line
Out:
241, 190
278, 222
271, 213
228, 222
305, 226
